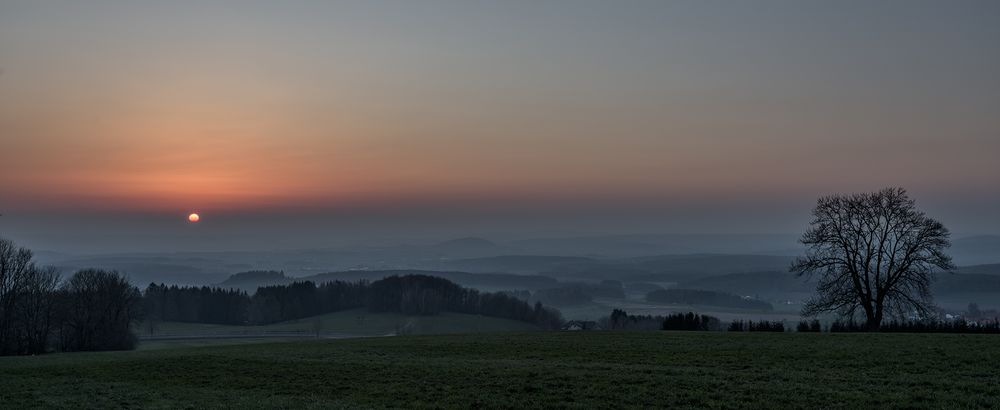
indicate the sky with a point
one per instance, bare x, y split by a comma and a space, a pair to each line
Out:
303, 123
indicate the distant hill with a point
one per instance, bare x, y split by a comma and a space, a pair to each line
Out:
662, 268
765, 284
143, 271
709, 263
957, 290
990, 269
976, 250
706, 298
255, 279
516, 263
966, 283
250, 281
470, 244
959, 287
617, 246
674, 268
503, 281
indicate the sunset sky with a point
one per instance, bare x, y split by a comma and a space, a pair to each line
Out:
330, 119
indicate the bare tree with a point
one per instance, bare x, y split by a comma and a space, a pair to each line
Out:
26, 302
15, 266
94, 310
99, 309
874, 254
36, 309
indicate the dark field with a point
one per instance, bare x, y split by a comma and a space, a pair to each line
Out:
582, 370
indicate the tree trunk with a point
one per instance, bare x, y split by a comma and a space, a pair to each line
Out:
871, 317
875, 322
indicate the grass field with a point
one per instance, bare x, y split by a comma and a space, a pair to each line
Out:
355, 322
517, 370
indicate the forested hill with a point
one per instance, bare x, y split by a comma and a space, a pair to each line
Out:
406, 294
250, 281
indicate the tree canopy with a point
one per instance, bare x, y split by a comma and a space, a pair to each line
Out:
874, 254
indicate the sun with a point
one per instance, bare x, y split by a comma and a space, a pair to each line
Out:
194, 217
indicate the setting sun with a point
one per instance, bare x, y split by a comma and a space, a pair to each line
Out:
194, 218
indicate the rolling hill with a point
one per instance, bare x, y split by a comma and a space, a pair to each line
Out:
516, 263
976, 250
485, 281
954, 291
989, 269
470, 246
764, 284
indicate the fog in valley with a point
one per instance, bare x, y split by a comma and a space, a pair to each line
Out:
584, 276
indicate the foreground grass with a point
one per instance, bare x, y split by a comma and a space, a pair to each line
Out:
204, 342
582, 370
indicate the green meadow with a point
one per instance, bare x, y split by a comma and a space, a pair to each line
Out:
526, 370
353, 322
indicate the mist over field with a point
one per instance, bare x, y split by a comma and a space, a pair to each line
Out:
746, 265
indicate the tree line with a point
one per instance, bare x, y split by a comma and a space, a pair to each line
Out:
93, 310
809, 326
422, 294
297, 300
195, 304
621, 320
896, 326
758, 326
408, 294
99, 309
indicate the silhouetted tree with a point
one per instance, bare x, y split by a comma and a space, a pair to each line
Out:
26, 302
760, 326
809, 326
924, 326
15, 263
690, 321
36, 309
98, 309
875, 254
803, 326
195, 304
737, 326
618, 319
407, 294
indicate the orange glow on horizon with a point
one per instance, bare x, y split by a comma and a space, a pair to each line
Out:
194, 217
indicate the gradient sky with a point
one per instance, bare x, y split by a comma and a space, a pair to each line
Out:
330, 119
